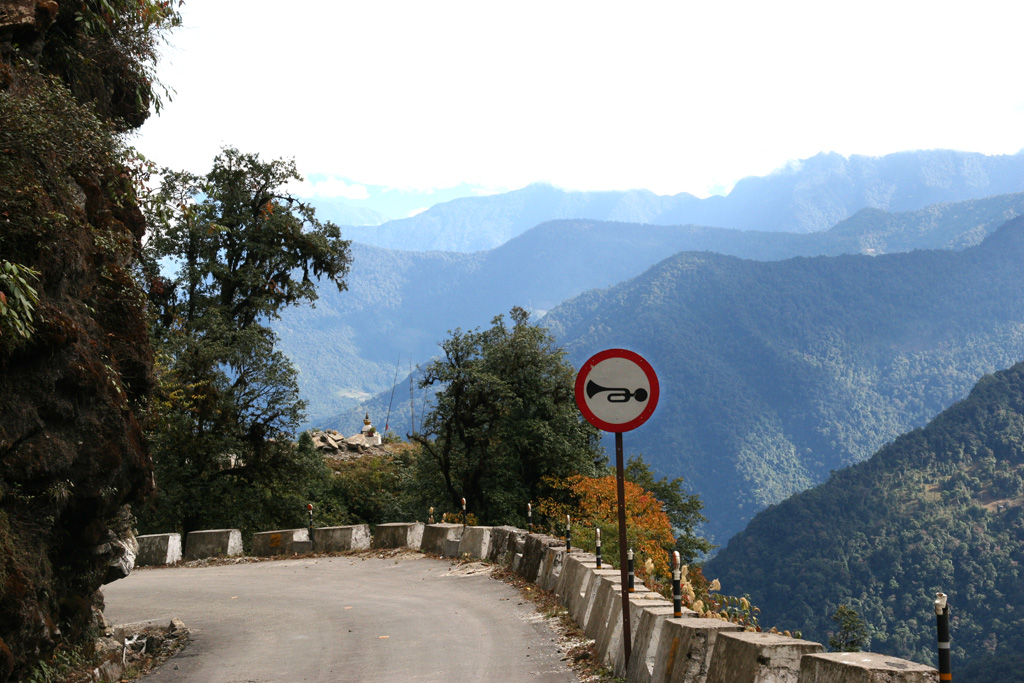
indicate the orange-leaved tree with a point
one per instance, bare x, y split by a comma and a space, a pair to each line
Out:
592, 503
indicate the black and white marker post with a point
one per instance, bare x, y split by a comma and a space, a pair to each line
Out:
617, 391
309, 508
463, 512
598, 553
529, 516
942, 628
568, 534
677, 586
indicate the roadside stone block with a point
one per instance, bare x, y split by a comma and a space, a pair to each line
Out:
551, 567
213, 543
744, 657
435, 537
337, 539
398, 535
567, 580
685, 648
281, 542
641, 599
475, 542
644, 650
608, 611
503, 544
585, 607
158, 549
863, 667
533, 554
607, 591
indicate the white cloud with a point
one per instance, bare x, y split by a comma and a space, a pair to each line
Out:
585, 94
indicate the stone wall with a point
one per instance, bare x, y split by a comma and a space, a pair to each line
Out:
663, 648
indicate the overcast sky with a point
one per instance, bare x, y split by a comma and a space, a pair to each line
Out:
670, 96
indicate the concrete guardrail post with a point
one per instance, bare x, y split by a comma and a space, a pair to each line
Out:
281, 542
213, 543
746, 657
438, 539
335, 539
685, 648
398, 535
862, 667
158, 549
645, 643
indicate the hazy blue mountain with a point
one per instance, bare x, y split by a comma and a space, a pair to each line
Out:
938, 509
340, 213
814, 194
401, 304
806, 196
478, 223
775, 373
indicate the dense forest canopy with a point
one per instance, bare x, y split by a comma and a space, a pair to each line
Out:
939, 509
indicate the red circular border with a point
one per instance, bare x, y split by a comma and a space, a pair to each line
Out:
581, 380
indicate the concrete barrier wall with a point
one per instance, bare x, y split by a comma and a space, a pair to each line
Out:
475, 542
158, 549
213, 543
664, 649
438, 538
281, 542
398, 535
338, 539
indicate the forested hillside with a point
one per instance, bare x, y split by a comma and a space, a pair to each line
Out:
75, 358
804, 196
775, 373
401, 304
939, 509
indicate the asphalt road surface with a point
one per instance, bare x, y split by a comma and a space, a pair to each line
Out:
407, 618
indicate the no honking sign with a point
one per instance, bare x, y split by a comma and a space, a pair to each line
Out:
617, 390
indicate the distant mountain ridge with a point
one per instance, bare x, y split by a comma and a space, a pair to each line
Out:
401, 304
775, 373
938, 509
806, 196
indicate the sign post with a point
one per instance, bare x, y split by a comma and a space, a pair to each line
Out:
617, 391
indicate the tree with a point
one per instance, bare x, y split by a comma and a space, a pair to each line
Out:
593, 504
505, 417
852, 635
227, 401
683, 509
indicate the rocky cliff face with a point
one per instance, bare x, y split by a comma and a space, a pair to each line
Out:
72, 455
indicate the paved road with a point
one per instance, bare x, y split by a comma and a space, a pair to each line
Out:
341, 619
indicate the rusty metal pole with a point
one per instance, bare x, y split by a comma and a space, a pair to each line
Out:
620, 486
629, 559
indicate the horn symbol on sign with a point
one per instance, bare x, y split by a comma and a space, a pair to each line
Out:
616, 395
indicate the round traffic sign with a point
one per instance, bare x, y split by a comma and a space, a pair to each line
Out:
616, 390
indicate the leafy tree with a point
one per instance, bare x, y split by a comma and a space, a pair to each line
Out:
593, 504
683, 509
852, 635
18, 300
505, 417
227, 401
